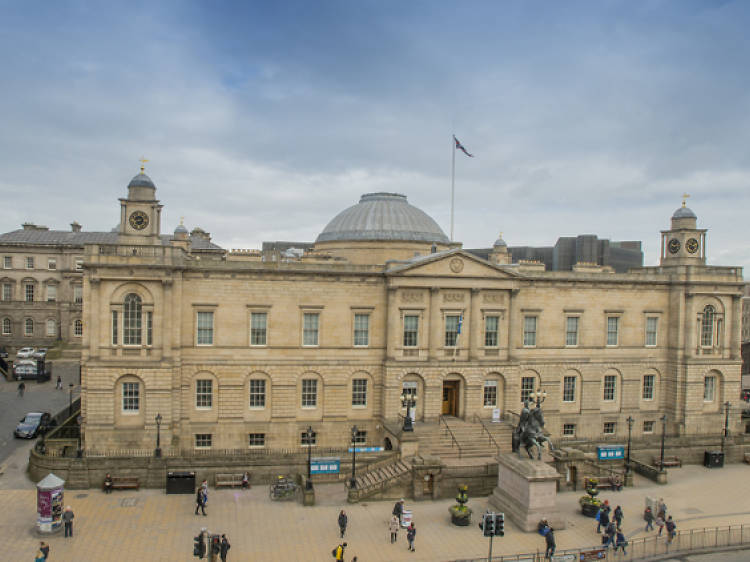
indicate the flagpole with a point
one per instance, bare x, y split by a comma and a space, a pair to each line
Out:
453, 178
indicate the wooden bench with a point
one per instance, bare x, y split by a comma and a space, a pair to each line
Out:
668, 462
234, 479
606, 482
124, 483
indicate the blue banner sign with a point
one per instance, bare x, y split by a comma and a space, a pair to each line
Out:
610, 452
325, 465
367, 449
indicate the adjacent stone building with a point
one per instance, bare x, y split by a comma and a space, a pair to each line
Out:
240, 350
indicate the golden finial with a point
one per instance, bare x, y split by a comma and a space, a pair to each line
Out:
501, 235
182, 221
684, 198
143, 163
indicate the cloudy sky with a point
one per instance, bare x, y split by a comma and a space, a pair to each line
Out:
263, 120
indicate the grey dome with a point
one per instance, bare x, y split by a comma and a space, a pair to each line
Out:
684, 213
141, 180
180, 229
383, 216
500, 242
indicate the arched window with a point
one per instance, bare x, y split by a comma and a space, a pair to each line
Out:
78, 328
131, 320
51, 328
28, 327
707, 327
6, 327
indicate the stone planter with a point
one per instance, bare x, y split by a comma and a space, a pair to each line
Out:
589, 509
460, 518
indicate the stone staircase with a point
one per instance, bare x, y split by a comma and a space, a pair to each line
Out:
378, 477
472, 439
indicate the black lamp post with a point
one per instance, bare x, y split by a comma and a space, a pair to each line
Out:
408, 401
79, 451
663, 431
630, 421
70, 401
726, 425
353, 481
308, 437
157, 451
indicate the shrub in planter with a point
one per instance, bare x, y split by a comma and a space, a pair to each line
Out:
589, 503
460, 513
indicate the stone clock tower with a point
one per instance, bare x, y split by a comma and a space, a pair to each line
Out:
140, 212
684, 243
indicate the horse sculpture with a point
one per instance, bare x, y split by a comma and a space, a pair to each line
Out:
529, 432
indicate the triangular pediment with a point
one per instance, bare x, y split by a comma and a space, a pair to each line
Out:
454, 263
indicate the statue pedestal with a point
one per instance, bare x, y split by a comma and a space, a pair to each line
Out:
526, 492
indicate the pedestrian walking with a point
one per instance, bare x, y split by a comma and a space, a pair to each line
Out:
343, 520
621, 541
618, 516
44, 549
661, 507
411, 534
398, 509
200, 501
671, 526
610, 533
21, 388
338, 552
660, 524
59, 383
602, 519
204, 487
245, 481
67, 518
393, 525
648, 517
224, 548
549, 539
39, 556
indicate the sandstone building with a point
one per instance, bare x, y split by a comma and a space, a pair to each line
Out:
234, 350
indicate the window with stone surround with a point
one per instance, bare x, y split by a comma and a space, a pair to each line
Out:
51, 293
411, 330
707, 326
7, 291
361, 330
51, 328
256, 439
652, 323
258, 323
571, 331
359, 392
527, 388
310, 326
78, 328
149, 328
257, 393
569, 430
709, 388
205, 325
309, 393
51, 264
451, 329
29, 262
609, 428
28, 327
204, 393
613, 330
203, 440
360, 438
648, 387
569, 388
491, 331
131, 319
610, 387
29, 292
7, 262
131, 397
7, 327
648, 426
490, 394
306, 441
529, 331
114, 327
78, 294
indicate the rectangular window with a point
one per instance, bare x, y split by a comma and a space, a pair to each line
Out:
610, 383
308, 440
411, 330
709, 389
571, 331
648, 387
409, 391
149, 328
78, 328
29, 292
7, 291
569, 430
78, 293
569, 389
359, 392
609, 428
490, 394
257, 393
203, 440
79, 264
360, 438
309, 393
28, 327
6, 327
527, 388
529, 331
52, 263
451, 330
491, 324
51, 328
652, 322
7, 262
648, 426
204, 393
29, 262
310, 323
258, 328
361, 329
205, 328
51, 293
256, 439
613, 323
130, 397
114, 327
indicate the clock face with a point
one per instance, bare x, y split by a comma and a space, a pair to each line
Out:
139, 220
674, 245
692, 245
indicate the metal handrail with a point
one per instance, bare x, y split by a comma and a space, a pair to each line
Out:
485, 428
441, 418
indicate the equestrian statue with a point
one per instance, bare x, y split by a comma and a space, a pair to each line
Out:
529, 431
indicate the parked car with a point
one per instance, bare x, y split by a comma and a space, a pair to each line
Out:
40, 353
25, 353
26, 369
33, 424
3, 353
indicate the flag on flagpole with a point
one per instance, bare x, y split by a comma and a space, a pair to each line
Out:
460, 323
460, 147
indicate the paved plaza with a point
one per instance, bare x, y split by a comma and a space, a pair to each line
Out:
150, 525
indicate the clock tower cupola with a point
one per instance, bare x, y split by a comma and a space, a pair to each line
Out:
140, 212
684, 243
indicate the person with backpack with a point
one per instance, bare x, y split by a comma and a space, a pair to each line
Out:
549, 540
338, 552
609, 533
224, 548
620, 541
343, 520
603, 518
411, 534
398, 509
648, 517
618, 516
671, 526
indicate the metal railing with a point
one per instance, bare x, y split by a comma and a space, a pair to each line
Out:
646, 548
489, 434
441, 419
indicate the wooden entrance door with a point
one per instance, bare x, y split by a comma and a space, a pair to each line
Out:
450, 398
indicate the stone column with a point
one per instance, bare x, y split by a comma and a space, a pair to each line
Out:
433, 324
475, 326
392, 322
